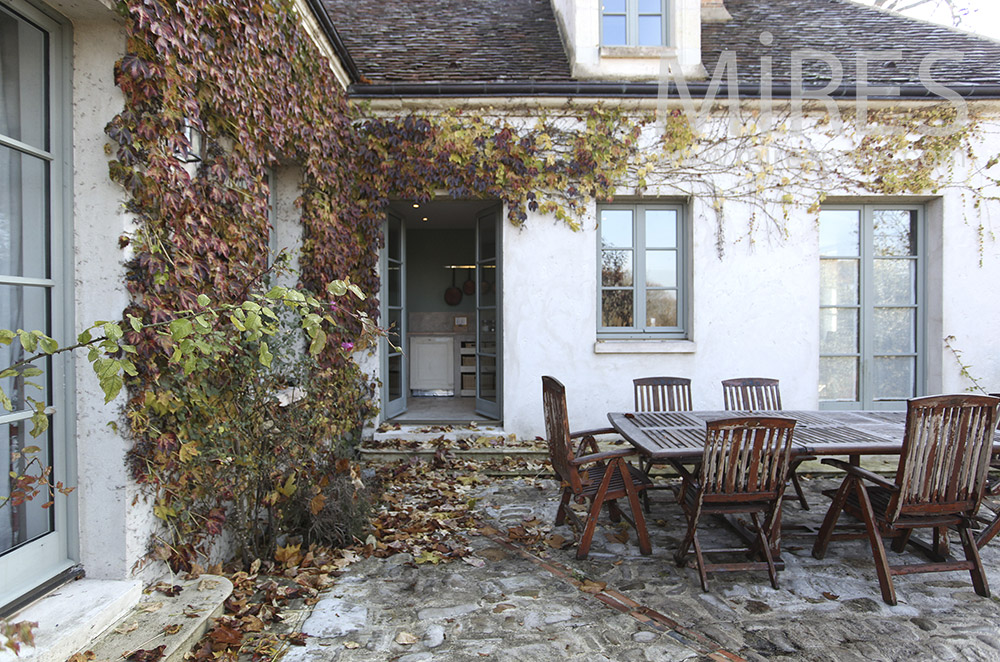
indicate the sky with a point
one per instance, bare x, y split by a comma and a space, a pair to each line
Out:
984, 15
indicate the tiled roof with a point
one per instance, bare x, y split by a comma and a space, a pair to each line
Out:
844, 28
451, 40
448, 42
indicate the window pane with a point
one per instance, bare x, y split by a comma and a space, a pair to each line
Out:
616, 308
650, 6
488, 285
395, 320
894, 232
838, 282
22, 81
616, 268
661, 308
838, 331
393, 241
895, 378
616, 228
839, 232
661, 228
650, 31
395, 376
28, 520
23, 213
393, 287
894, 330
487, 237
661, 268
613, 31
838, 379
613, 6
895, 282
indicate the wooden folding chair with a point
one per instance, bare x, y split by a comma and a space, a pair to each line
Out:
660, 394
762, 394
609, 478
742, 471
939, 484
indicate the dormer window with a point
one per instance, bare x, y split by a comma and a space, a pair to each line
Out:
634, 23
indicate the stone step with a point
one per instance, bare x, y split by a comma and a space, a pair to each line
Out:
175, 622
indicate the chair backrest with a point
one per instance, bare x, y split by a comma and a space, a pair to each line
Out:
946, 454
751, 394
746, 458
557, 432
662, 394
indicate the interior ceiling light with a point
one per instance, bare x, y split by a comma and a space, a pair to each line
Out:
416, 205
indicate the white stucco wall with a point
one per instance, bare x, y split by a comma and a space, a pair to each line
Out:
754, 312
114, 519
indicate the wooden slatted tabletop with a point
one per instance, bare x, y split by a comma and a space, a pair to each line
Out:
681, 435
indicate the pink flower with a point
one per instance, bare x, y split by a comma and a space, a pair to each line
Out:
347, 346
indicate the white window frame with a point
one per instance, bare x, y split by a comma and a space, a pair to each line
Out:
43, 559
632, 25
639, 287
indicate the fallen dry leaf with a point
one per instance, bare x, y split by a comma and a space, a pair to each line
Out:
152, 655
405, 639
86, 656
590, 586
502, 607
207, 584
474, 561
556, 541
351, 644
125, 628
830, 596
150, 607
169, 590
173, 628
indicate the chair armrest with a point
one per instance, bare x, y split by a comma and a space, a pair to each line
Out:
587, 442
591, 433
600, 457
855, 470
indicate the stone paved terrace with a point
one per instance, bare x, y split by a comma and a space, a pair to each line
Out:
509, 601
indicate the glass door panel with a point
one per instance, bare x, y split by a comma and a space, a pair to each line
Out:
488, 323
394, 302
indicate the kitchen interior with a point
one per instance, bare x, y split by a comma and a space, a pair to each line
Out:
442, 283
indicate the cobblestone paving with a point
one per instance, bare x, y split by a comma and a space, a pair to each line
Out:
520, 606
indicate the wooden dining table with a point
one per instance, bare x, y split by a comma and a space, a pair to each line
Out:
680, 436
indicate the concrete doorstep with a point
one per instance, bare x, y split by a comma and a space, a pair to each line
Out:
174, 616
171, 616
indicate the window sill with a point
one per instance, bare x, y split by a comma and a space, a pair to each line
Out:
651, 52
645, 347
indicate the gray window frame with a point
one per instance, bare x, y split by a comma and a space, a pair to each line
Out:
866, 307
632, 25
41, 559
638, 287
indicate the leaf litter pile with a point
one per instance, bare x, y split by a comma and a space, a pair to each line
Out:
426, 509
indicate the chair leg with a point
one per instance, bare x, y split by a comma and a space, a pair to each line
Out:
638, 520
899, 542
583, 549
765, 546
614, 512
979, 582
989, 532
798, 487
700, 561
563, 505
941, 543
682, 551
830, 521
645, 466
878, 549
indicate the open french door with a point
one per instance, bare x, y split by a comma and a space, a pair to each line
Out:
489, 377
394, 364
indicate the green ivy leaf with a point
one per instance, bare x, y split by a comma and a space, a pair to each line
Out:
318, 342
265, 355
203, 300
181, 328
6, 336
